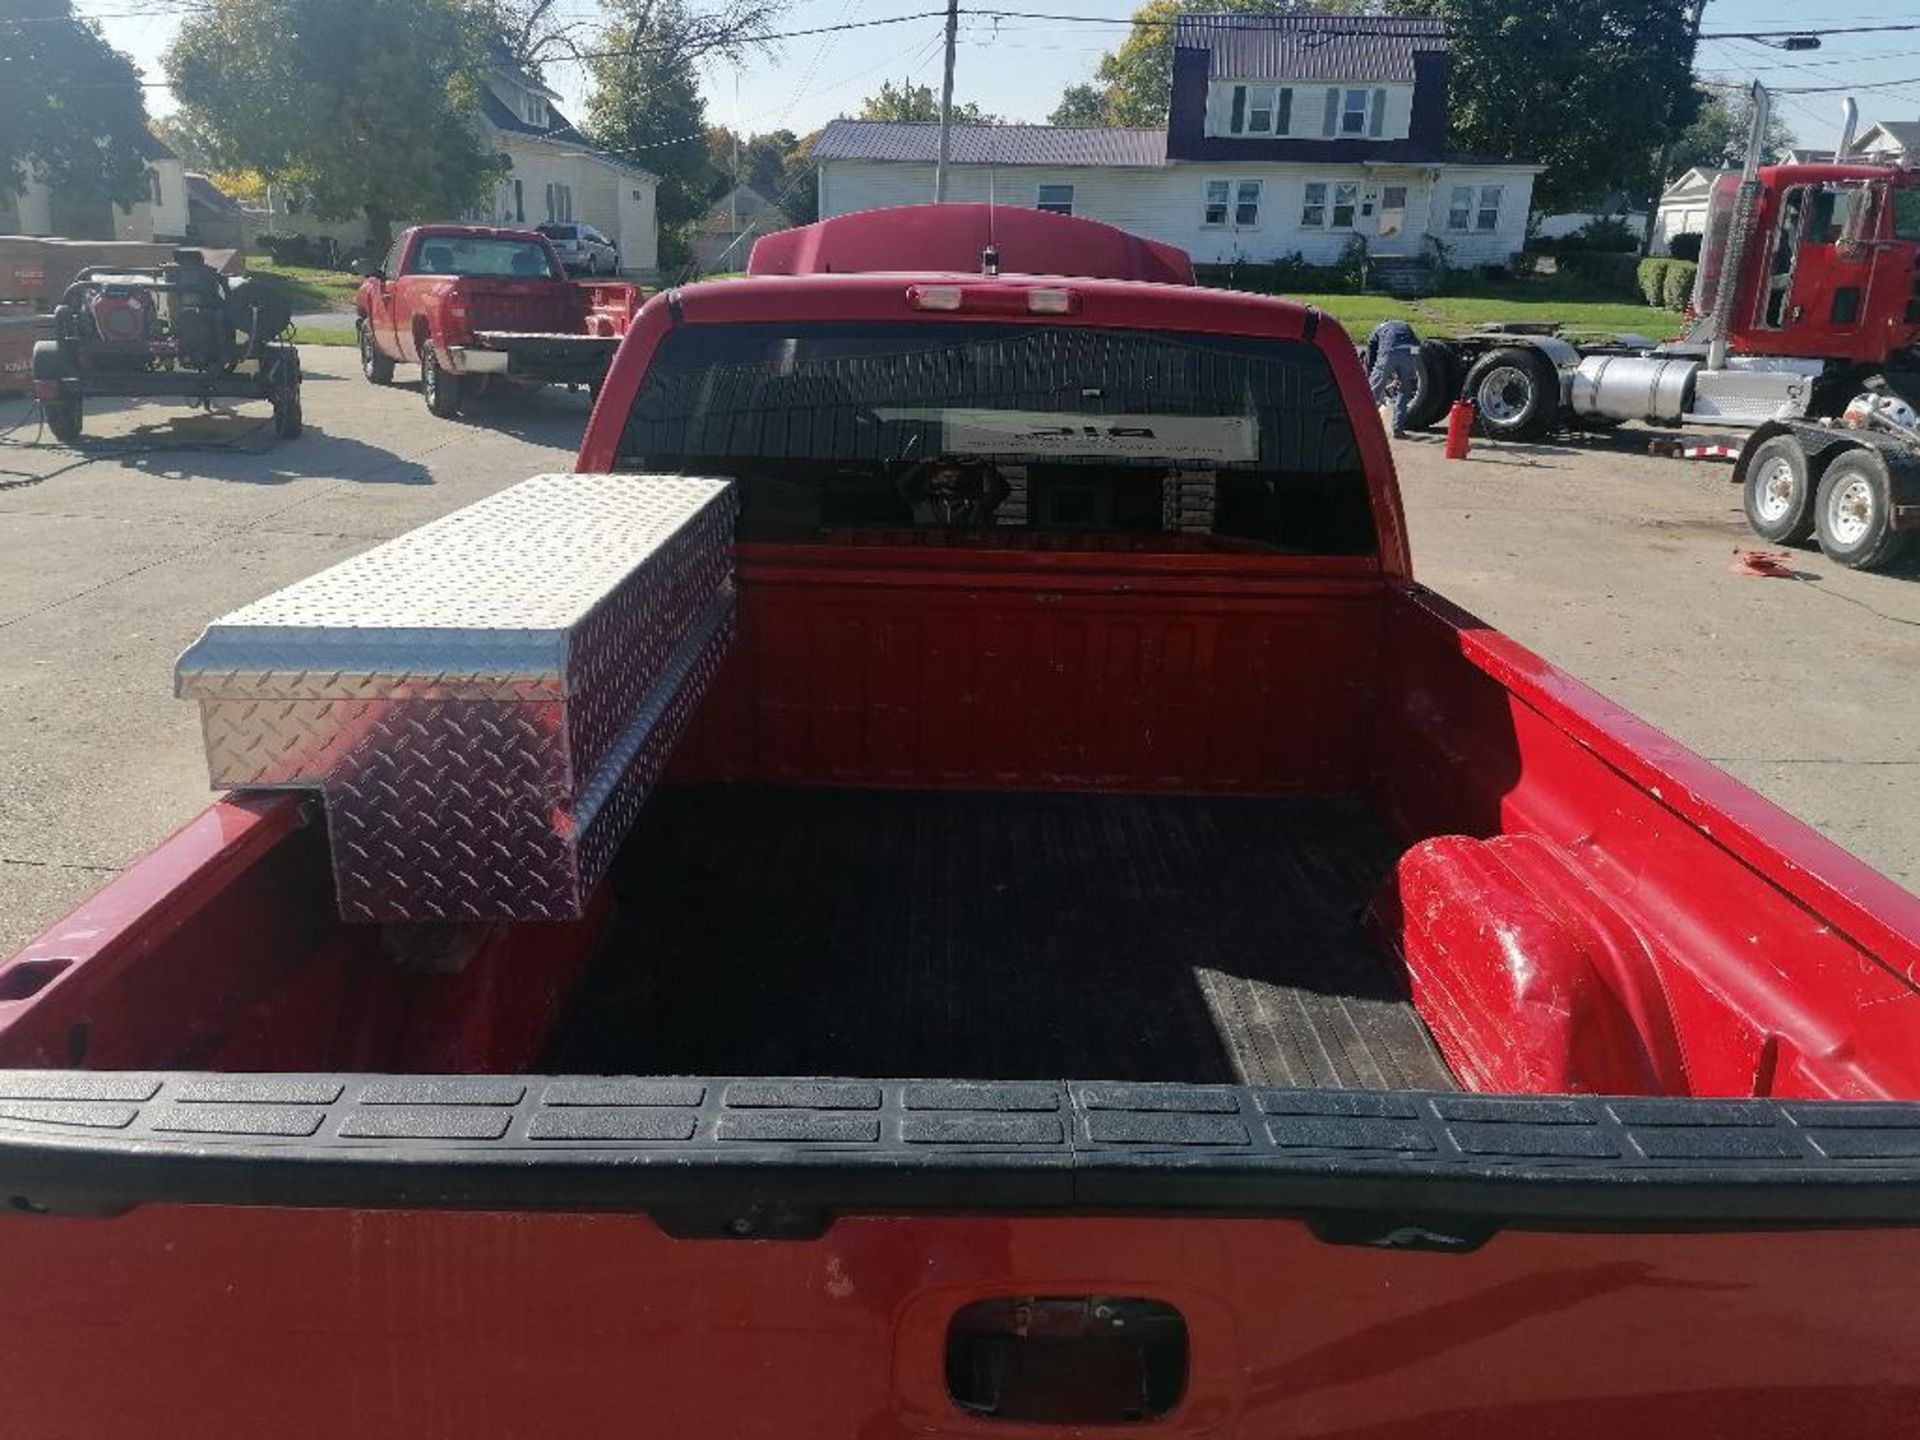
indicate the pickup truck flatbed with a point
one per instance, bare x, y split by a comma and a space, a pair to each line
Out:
950, 882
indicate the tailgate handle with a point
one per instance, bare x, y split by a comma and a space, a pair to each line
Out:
1067, 1359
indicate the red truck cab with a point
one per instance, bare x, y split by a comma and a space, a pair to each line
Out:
1108, 953
474, 302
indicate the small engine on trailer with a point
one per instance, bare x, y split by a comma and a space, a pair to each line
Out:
177, 330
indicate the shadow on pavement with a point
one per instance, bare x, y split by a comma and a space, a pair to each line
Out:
240, 448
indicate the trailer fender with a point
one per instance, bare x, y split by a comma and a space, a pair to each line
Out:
50, 362
1529, 979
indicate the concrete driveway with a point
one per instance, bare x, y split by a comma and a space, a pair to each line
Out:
1614, 564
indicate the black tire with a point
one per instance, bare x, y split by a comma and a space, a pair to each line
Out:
287, 421
1438, 387
1778, 491
376, 367
1853, 513
63, 418
439, 386
1515, 393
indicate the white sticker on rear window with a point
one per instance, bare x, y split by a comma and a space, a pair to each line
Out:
1220, 439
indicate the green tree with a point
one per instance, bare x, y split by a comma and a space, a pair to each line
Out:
1134, 83
356, 106
1576, 85
71, 106
1717, 138
908, 101
645, 106
1081, 104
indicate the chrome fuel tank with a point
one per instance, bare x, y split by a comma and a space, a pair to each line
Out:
1633, 387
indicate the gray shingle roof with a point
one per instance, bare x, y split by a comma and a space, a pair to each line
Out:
991, 144
1309, 46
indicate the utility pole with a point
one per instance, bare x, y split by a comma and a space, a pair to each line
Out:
1666, 149
946, 105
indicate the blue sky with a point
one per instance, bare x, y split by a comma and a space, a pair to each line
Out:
1017, 68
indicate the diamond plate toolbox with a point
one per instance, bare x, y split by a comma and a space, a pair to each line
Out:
483, 702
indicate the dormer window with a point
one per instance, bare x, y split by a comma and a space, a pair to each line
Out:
536, 111
1353, 114
1261, 110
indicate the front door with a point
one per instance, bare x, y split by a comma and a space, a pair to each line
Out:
1392, 227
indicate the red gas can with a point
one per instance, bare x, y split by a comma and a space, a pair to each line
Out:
1459, 429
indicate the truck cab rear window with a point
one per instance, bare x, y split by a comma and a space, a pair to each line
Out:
1009, 435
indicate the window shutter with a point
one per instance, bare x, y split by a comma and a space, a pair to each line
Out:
1379, 117
1283, 113
1239, 121
1333, 114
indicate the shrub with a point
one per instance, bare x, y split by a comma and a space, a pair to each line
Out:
1652, 275
1677, 284
1352, 265
1613, 274
1685, 245
1608, 234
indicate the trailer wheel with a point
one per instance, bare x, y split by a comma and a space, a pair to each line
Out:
1853, 513
1439, 384
376, 367
1516, 393
1778, 492
63, 418
287, 423
440, 387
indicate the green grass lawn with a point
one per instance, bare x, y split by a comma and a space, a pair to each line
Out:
305, 335
306, 288
1580, 312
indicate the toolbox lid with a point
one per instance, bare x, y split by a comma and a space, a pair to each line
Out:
484, 604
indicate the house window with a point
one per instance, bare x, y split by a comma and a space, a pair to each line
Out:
1219, 193
1487, 217
153, 186
1260, 110
1460, 207
536, 111
1313, 213
1056, 199
1246, 204
519, 203
1353, 113
559, 202
1345, 198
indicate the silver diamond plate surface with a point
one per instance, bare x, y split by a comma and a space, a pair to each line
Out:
485, 701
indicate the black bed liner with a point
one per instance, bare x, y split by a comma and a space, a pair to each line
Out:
1000, 935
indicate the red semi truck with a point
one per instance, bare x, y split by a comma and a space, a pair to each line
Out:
1109, 953
470, 304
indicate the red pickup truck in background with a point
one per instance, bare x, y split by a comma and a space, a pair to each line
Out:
1111, 953
469, 303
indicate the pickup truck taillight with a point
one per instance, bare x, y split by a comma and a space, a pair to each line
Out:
455, 318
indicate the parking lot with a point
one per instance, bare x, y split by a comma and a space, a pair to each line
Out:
1617, 565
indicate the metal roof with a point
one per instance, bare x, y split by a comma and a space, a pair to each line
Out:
1309, 46
991, 144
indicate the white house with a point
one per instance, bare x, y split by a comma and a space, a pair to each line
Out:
1287, 134
1683, 207
1891, 142
160, 215
556, 174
